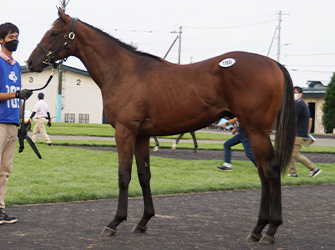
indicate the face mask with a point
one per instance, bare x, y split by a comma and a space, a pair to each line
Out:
12, 45
296, 97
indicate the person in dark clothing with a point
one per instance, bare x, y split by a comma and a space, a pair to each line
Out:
304, 124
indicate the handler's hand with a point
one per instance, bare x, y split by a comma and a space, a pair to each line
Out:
23, 94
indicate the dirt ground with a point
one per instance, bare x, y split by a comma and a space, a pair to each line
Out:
220, 220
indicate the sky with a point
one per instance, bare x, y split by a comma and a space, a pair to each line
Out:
209, 28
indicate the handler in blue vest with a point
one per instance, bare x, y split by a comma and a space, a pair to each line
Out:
10, 104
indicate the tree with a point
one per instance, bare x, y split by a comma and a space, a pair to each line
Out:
328, 117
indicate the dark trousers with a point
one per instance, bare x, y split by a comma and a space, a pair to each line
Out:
240, 137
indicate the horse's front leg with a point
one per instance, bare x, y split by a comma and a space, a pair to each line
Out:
125, 145
143, 169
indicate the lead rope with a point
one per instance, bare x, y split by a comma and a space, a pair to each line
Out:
23, 134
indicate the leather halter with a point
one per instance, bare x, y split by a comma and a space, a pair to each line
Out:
66, 44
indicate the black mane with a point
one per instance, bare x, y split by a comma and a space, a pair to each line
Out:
122, 44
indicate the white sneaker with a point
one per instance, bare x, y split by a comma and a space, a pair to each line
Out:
228, 165
225, 167
315, 172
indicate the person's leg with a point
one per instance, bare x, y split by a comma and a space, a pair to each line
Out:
292, 170
227, 166
6, 166
35, 131
41, 128
247, 149
300, 158
227, 147
8, 139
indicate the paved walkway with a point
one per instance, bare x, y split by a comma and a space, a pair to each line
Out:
220, 220
202, 154
187, 154
320, 141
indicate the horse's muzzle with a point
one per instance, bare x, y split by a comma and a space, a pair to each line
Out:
34, 68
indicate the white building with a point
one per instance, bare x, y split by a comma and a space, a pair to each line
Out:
314, 96
81, 100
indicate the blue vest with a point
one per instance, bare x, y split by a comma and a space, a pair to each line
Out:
10, 81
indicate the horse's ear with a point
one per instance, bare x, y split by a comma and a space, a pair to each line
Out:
61, 14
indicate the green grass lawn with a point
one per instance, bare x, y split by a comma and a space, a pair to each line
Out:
74, 174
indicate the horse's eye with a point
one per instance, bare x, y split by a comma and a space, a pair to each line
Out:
54, 34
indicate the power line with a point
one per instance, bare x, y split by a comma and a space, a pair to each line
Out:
230, 27
310, 71
320, 54
189, 27
142, 31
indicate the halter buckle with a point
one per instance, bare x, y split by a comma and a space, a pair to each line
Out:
72, 35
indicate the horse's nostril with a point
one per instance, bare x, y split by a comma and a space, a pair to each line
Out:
28, 63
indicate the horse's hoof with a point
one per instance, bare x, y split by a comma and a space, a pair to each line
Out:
267, 240
253, 237
139, 229
108, 231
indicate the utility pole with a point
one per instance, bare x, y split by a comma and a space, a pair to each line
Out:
179, 49
279, 29
178, 37
60, 76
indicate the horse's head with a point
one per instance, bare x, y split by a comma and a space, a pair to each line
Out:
55, 44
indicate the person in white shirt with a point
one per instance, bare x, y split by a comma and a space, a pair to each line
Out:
41, 110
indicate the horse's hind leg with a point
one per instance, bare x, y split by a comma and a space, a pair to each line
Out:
275, 218
144, 176
270, 207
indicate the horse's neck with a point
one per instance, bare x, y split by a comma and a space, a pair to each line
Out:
102, 57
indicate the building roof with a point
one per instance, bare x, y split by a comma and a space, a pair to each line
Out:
314, 92
24, 70
314, 89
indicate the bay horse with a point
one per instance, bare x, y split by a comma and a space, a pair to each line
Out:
144, 96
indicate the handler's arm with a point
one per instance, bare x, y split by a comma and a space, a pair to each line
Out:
7, 96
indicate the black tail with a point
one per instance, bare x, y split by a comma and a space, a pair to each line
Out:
286, 124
